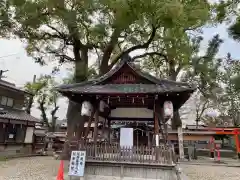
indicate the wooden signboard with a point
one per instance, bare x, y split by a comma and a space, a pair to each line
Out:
77, 163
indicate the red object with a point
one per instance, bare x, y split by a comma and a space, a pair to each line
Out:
60, 171
211, 144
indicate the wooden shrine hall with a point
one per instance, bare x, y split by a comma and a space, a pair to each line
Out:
128, 96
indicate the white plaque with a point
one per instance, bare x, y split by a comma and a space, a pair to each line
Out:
77, 163
126, 137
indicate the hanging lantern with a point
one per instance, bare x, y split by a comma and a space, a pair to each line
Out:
168, 109
102, 105
86, 108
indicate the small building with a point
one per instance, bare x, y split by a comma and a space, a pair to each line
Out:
16, 126
40, 132
132, 97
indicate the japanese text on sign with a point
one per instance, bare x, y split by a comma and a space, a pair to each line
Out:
77, 163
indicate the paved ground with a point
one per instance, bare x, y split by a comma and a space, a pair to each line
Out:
201, 172
45, 168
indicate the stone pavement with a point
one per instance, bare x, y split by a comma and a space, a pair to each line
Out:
206, 172
45, 168
228, 162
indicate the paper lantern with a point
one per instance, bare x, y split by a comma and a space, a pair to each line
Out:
102, 105
168, 109
86, 108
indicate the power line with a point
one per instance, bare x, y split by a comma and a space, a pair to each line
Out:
8, 55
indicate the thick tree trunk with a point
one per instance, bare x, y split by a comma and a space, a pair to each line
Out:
75, 126
176, 120
75, 121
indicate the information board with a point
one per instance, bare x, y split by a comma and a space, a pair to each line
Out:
126, 137
77, 163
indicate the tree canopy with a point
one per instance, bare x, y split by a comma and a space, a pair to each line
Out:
45, 98
70, 31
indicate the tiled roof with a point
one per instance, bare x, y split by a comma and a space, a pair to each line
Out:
128, 88
97, 85
16, 114
11, 86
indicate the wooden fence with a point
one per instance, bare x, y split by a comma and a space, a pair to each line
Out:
163, 155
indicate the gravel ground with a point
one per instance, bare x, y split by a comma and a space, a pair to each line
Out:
201, 172
45, 168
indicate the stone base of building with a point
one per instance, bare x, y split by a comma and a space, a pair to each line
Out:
126, 171
15, 150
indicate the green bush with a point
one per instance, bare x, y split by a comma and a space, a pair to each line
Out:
3, 158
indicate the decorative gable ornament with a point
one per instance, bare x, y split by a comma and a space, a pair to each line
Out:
86, 108
168, 109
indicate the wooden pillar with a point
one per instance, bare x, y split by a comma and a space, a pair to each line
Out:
237, 143
6, 133
95, 131
89, 123
148, 137
109, 131
156, 126
180, 143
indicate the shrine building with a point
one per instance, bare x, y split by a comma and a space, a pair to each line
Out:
128, 97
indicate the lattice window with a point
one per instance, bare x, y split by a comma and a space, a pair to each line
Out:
125, 78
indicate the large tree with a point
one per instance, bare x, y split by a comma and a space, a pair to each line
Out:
71, 31
180, 60
230, 98
45, 98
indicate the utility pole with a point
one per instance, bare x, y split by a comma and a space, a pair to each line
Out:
2, 72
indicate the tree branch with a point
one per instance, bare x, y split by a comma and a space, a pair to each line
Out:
108, 51
42, 109
63, 56
60, 34
53, 112
178, 69
203, 108
139, 46
150, 54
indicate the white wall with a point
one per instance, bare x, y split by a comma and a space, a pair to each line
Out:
29, 135
132, 113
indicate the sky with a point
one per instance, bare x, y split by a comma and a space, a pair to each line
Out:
22, 68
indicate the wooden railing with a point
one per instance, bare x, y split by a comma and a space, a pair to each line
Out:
163, 154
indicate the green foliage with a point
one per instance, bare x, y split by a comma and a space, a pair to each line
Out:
5, 18
179, 59
206, 68
228, 10
54, 28
230, 98
46, 98
3, 158
71, 31
234, 30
